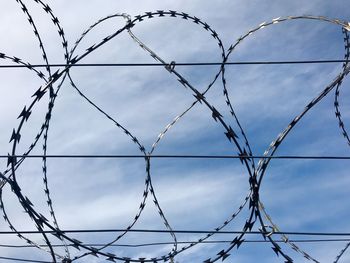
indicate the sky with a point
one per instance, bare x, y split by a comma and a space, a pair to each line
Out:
117, 110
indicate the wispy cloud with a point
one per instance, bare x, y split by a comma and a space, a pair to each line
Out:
194, 194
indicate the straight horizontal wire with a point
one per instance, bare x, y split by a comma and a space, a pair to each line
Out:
182, 156
25, 260
173, 231
162, 243
182, 243
178, 64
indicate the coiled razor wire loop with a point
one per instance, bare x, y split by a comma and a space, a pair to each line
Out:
263, 163
256, 174
171, 68
153, 147
24, 200
39, 218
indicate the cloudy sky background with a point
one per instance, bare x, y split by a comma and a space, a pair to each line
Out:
300, 195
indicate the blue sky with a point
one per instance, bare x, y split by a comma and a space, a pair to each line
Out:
196, 194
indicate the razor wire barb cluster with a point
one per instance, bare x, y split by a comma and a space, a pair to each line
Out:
236, 136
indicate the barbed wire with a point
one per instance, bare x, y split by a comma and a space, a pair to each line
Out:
235, 133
